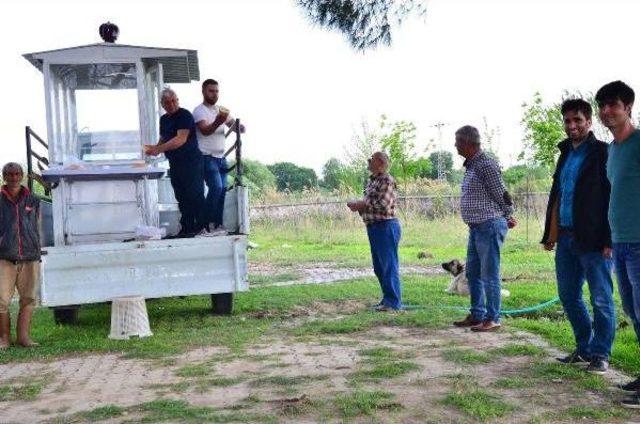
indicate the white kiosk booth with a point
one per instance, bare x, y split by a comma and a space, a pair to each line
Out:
102, 106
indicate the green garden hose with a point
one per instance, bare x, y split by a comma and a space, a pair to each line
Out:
511, 312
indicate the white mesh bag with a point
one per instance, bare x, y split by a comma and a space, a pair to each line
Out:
129, 318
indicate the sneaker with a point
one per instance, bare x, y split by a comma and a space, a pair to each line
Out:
469, 321
598, 365
630, 387
485, 326
632, 402
574, 358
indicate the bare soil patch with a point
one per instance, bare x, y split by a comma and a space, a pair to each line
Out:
319, 273
295, 380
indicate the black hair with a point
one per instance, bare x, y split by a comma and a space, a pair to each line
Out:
208, 81
614, 91
577, 105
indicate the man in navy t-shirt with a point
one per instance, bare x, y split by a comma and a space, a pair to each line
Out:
179, 144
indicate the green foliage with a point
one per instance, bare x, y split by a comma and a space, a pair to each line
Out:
292, 177
337, 175
543, 131
332, 173
364, 24
524, 178
447, 163
398, 141
421, 167
257, 176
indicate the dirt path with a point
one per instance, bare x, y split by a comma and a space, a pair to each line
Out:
386, 374
318, 273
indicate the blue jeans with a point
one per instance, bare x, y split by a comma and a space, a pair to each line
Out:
483, 268
627, 264
215, 176
384, 237
572, 268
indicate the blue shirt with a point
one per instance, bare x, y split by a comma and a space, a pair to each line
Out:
623, 171
568, 179
169, 126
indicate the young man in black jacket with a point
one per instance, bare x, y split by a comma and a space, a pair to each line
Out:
576, 224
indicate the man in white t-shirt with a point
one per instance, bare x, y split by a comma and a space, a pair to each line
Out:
211, 123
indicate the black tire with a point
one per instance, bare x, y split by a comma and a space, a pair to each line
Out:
222, 303
66, 315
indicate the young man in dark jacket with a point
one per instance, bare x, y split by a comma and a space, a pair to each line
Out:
19, 253
577, 224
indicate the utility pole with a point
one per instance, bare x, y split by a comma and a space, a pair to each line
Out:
441, 171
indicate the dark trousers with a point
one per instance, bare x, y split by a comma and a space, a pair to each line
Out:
384, 237
215, 176
187, 180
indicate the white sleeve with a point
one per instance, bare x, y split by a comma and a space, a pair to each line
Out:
199, 114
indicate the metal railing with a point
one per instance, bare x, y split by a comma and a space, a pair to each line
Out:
41, 161
237, 146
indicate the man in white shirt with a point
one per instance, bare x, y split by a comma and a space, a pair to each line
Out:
211, 123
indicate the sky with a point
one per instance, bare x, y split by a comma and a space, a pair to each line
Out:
303, 92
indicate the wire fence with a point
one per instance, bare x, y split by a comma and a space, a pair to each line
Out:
531, 206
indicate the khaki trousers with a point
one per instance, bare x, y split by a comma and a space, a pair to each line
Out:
21, 275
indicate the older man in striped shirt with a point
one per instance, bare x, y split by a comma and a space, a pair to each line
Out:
487, 209
377, 210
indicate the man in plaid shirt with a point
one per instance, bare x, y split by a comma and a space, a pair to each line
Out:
377, 210
487, 209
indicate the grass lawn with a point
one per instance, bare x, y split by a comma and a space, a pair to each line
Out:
182, 324
344, 243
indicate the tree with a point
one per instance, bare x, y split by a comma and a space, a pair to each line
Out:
544, 127
488, 138
258, 176
365, 23
332, 174
524, 178
363, 144
543, 131
446, 159
399, 143
421, 167
292, 177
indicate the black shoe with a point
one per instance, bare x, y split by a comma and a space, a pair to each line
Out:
630, 387
574, 358
632, 402
598, 365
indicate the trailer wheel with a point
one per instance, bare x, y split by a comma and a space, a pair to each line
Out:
222, 303
66, 315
